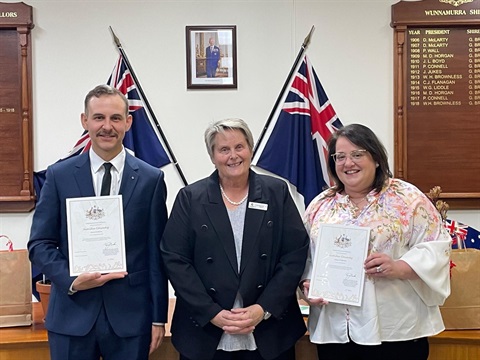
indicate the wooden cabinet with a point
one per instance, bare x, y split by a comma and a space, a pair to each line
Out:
16, 151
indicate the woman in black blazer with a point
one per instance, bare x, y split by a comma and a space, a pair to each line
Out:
235, 249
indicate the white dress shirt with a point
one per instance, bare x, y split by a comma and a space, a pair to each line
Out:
96, 164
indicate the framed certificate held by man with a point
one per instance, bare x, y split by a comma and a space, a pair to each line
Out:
96, 237
338, 274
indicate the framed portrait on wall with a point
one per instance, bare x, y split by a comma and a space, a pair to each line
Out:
211, 57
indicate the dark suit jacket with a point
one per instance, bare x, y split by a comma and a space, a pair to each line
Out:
212, 57
199, 253
132, 303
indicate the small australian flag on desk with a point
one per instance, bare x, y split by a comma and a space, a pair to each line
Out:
469, 236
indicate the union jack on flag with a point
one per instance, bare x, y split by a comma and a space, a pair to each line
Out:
457, 231
82, 145
296, 149
142, 140
466, 235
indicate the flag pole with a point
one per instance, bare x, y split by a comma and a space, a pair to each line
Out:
147, 104
303, 48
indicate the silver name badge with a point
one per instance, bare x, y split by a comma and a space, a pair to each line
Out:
257, 206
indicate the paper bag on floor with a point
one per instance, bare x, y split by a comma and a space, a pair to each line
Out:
15, 289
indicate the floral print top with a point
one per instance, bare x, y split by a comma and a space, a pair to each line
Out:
405, 225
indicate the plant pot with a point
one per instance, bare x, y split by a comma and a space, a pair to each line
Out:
44, 292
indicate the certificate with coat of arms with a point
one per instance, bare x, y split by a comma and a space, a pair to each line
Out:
96, 236
338, 274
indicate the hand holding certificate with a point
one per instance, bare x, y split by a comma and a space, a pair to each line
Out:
96, 237
338, 274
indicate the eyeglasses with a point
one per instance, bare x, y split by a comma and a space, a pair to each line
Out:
355, 155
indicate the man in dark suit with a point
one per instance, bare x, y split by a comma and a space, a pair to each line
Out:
117, 315
213, 57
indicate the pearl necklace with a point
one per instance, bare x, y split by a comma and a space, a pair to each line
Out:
234, 203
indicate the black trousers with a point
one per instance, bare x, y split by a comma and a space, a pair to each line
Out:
246, 355
417, 349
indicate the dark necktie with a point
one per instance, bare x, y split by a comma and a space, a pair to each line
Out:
107, 179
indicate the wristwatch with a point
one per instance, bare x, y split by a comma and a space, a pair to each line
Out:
266, 315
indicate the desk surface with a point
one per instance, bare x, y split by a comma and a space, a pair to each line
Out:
26, 334
38, 333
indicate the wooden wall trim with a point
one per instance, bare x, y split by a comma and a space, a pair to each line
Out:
436, 142
16, 182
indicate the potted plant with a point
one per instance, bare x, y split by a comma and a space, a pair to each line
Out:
43, 287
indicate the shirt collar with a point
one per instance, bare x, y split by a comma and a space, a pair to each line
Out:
96, 161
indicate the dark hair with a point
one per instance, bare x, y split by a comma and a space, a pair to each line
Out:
102, 90
365, 138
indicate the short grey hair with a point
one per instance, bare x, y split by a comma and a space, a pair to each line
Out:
104, 90
224, 125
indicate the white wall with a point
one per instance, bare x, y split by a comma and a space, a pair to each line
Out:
73, 51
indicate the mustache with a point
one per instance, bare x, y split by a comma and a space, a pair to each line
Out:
107, 133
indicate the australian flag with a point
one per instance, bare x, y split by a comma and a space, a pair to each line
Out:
142, 140
467, 236
297, 150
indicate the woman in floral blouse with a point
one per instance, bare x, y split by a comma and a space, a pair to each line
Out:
407, 266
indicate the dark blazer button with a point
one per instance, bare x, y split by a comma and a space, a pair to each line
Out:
204, 227
212, 291
260, 286
270, 223
209, 260
264, 256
